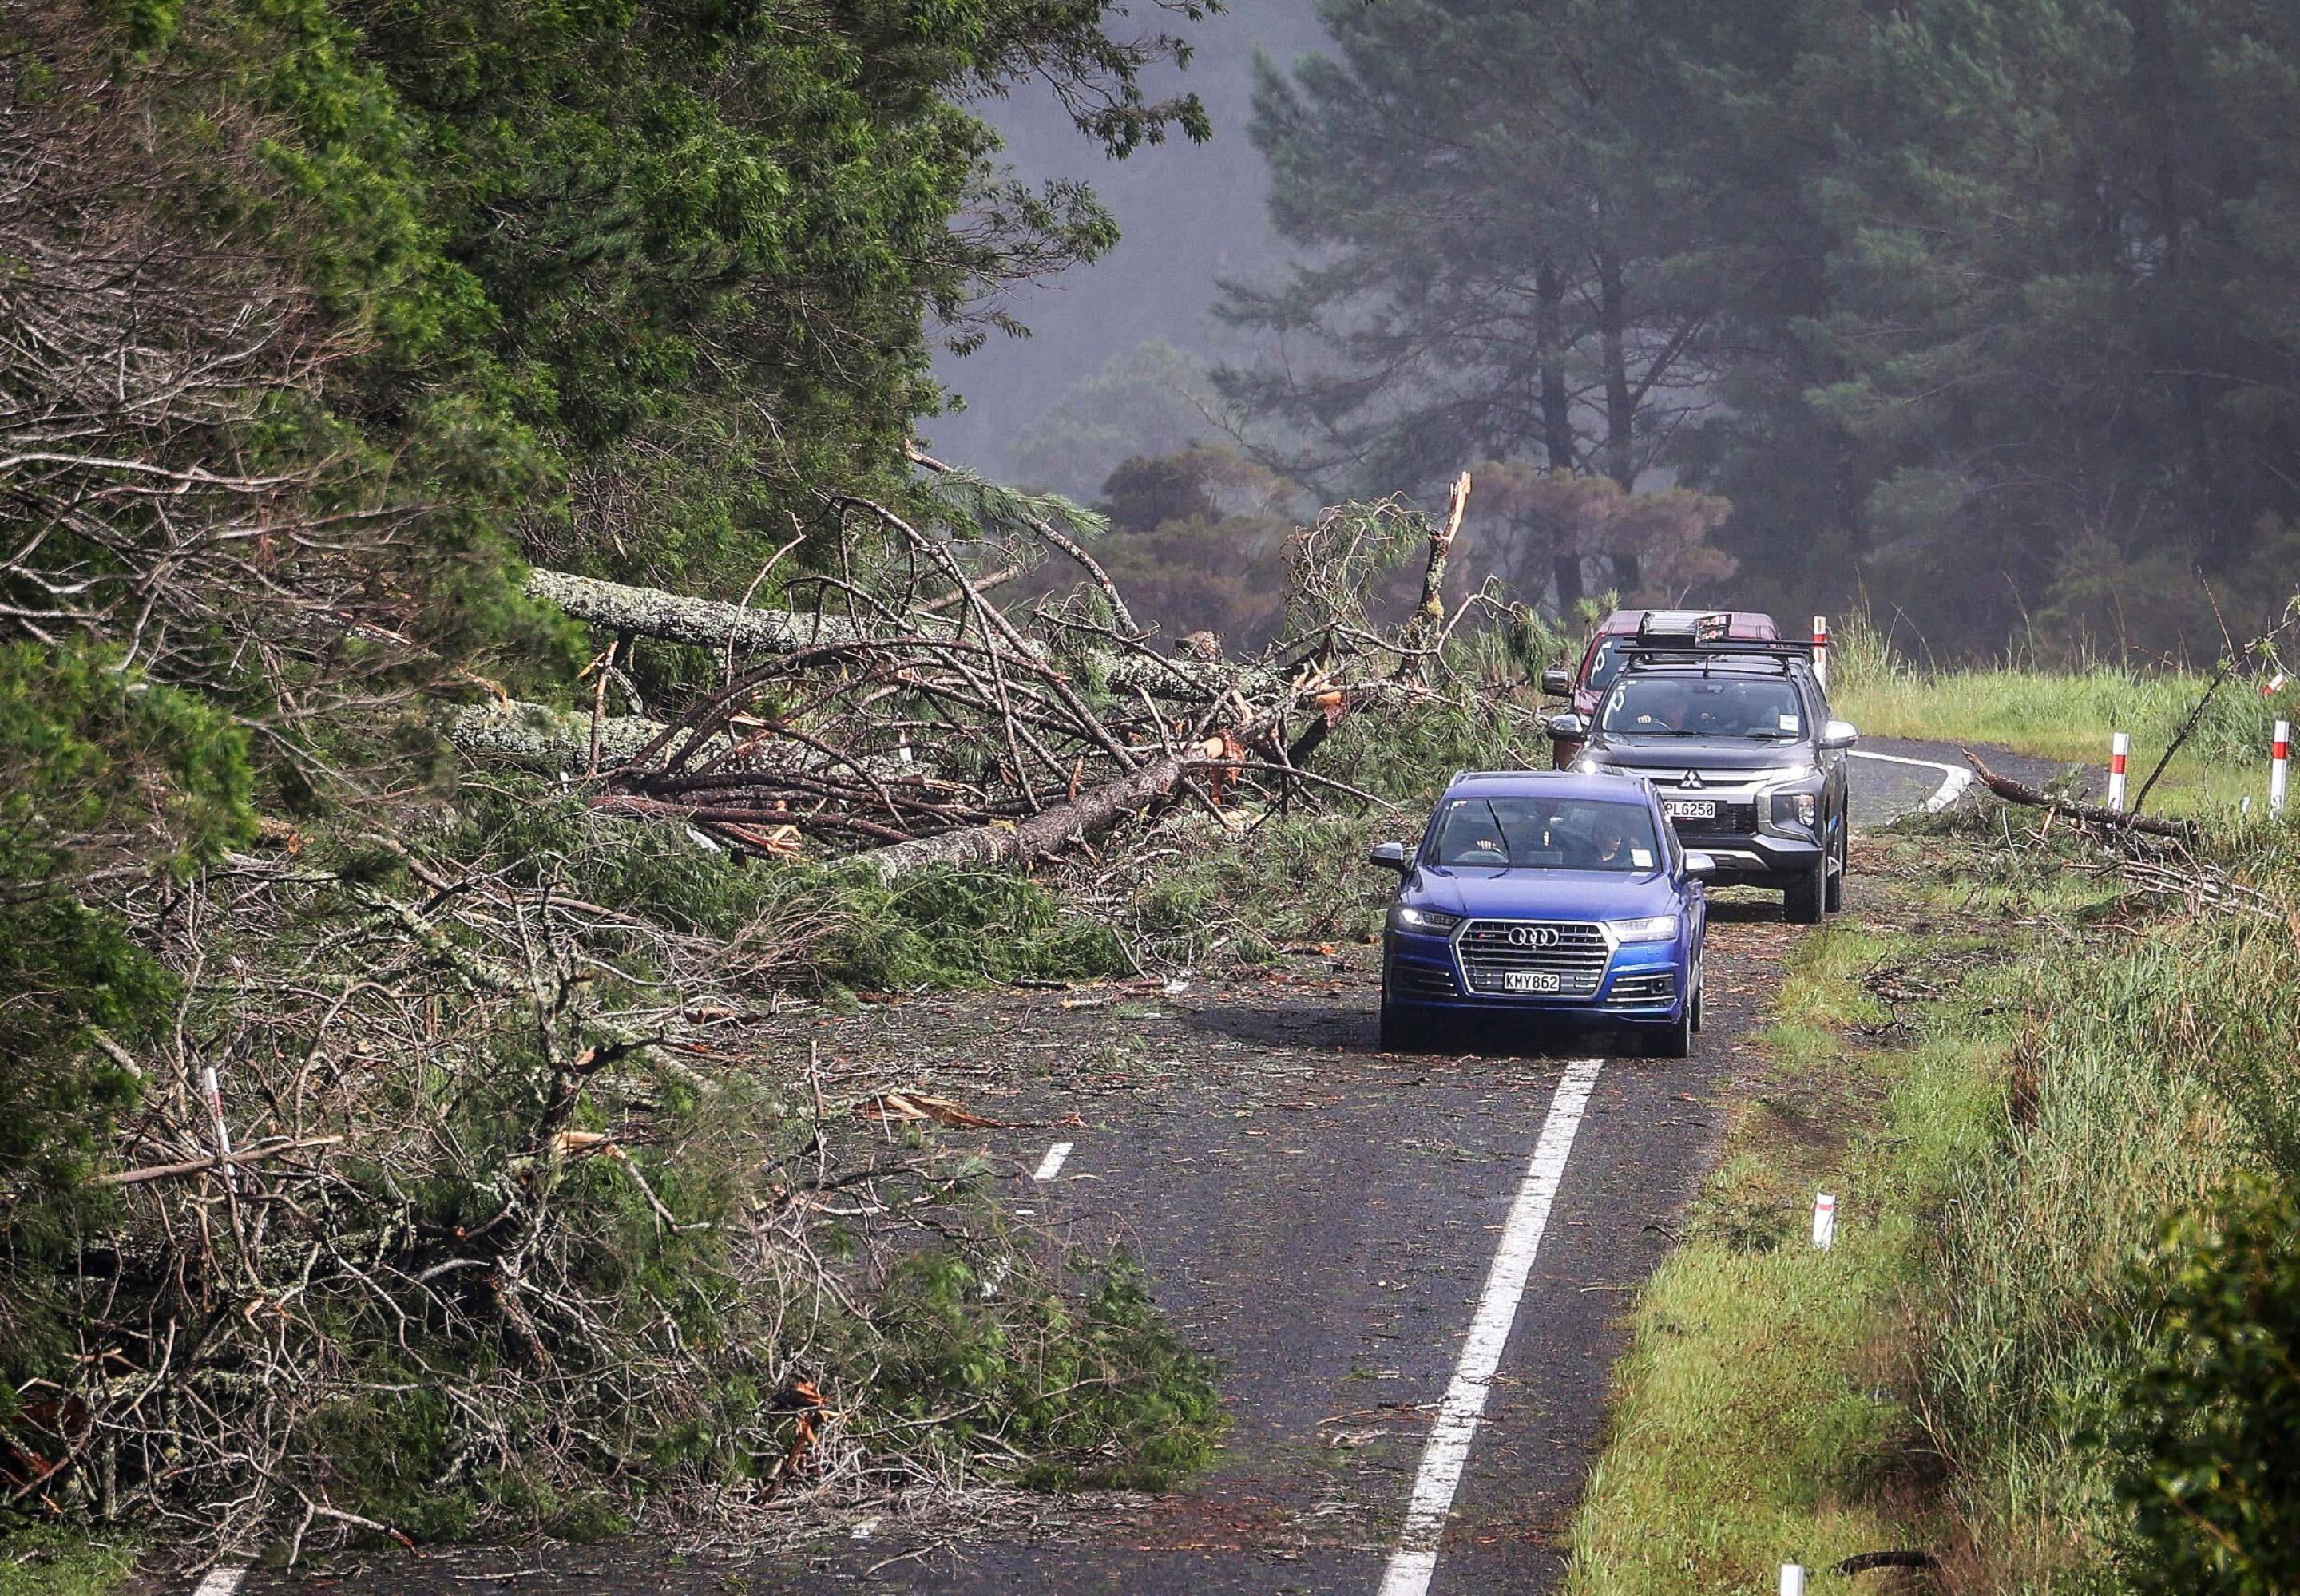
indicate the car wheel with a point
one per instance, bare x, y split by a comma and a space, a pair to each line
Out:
1674, 1040
1801, 904
1699, 986
1835, 898
1397, 1036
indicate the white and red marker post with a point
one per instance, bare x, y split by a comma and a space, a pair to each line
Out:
1824, 1221
212, 1094
2280, 766
1792, 1580
2120, 749
1821, 651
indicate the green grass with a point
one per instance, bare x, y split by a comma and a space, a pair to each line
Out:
2069, 716
57, 1562
1764, 1415
2010, 1075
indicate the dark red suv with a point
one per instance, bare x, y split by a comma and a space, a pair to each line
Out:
1602, 662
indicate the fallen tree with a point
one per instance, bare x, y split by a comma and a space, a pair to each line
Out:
2092, 814
912, 721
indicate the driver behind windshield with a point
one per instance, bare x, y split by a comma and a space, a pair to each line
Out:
1665, 707
1524, 832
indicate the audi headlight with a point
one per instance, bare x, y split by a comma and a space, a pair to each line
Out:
1422, 922
1657, 927
1798, 809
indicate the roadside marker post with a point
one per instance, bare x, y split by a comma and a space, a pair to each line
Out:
2280, 766
2120, 749
1824, 1221
212, 1094
1821, 651
1792, 1580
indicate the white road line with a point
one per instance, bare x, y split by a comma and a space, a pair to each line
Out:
1415, 1561
1953, 781
1052, 1164
222, 1580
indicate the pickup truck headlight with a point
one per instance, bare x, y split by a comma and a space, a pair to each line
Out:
1658, 927
1796, 808
1422, 922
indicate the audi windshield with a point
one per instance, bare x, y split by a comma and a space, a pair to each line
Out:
1505, 834
1684, 706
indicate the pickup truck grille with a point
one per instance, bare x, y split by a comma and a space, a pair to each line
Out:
1736, 819
1576, 953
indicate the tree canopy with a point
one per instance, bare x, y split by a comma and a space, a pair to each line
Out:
1997, 289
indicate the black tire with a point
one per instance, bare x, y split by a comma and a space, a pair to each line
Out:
1698, 984
1673, 1041
1834, 901
1801, 904
1398, 1036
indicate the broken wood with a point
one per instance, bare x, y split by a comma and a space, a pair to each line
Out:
252, 1155
1045, 835
1428, 623
2094, 814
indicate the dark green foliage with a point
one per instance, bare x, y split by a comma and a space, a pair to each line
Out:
953, 928
1097, 1391
102, 773
694, 252
2208, 1425
839, 929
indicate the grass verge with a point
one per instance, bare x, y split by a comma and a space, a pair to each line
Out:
2045, 1104
2069, 716
45, 1561
1771, 1410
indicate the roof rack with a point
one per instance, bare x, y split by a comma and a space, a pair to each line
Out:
1710, 634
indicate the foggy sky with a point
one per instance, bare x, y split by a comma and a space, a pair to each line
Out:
1191, 215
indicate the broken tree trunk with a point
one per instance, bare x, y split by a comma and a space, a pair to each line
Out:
1043, 836
1424, 632
2015, 792
537, 738
620, 608
707, 623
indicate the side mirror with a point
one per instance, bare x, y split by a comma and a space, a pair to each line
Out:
1568, 727
1558, 684
1699, 866
1839, 733
1389, 856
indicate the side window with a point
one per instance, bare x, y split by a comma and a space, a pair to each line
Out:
1674, 843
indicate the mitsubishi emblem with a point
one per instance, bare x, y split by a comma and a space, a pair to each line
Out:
1692, 779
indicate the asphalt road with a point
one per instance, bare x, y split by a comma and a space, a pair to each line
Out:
1339, 1229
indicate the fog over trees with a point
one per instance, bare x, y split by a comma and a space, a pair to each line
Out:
1994, 290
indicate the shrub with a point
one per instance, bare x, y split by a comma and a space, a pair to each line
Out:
2208, 1421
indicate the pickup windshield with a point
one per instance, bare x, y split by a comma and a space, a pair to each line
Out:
1688, 706
1572, 834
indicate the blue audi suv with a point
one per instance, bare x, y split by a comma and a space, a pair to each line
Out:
1543, 898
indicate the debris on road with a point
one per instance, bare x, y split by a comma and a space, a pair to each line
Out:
914, 1106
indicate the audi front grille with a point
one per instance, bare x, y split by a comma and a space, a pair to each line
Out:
1574, 951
